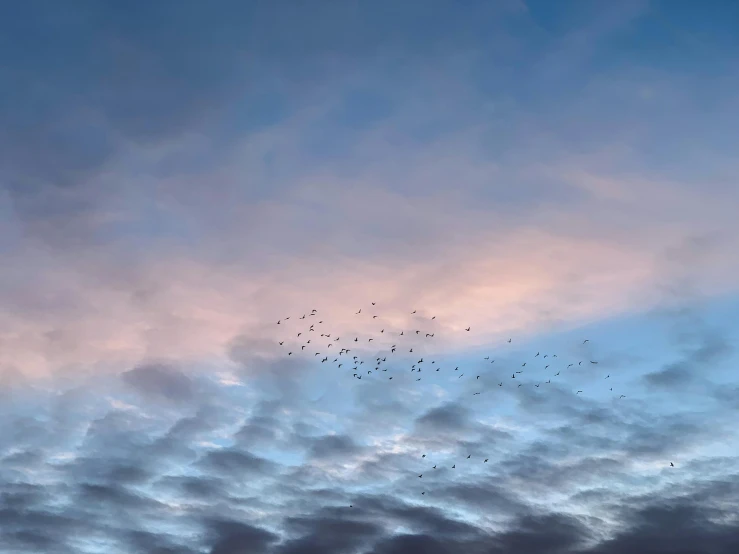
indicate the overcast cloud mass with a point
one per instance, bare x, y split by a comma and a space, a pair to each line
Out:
177, 176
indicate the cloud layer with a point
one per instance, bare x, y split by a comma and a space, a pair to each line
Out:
174, 180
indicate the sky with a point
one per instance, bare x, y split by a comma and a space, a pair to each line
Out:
177, 177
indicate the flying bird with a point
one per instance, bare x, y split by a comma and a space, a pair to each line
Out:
467, 329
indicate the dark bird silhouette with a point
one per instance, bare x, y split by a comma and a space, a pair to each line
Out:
289, 353
413, 312
500, 384
486, 461
420, 476
454, 466
433, 467
672, 465
586, 340
570, 365
373, 303
468, 457
360, 311
374, 317
537, 354
509, 340
302, 347
278, 322
475, 394
467, 329
622, 396
556, 374
592, 362
423, 456
281, 343
607, 376
478, 376
578, 392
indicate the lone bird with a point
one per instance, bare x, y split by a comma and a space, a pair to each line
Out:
467, 329
672, 465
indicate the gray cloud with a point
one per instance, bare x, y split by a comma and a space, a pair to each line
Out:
160, 380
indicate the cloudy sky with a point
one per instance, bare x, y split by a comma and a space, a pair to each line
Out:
177, 176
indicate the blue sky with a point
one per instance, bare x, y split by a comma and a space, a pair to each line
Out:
176, 177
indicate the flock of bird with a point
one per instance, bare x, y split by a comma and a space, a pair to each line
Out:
325, 341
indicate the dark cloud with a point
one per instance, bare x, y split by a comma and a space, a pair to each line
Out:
236, 463
332, 446
160, 380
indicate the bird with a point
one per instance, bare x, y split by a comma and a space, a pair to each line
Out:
423, 456
360, 311
434, 467
607, 376
672, 465
374, 317
278, 322
586, 340
420, 476
537, 354
281, 343
467, 329
592, 362
509, 340
486, 461
556, 374
468, 457
578, 392
373, 303
622, 396
454, 466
